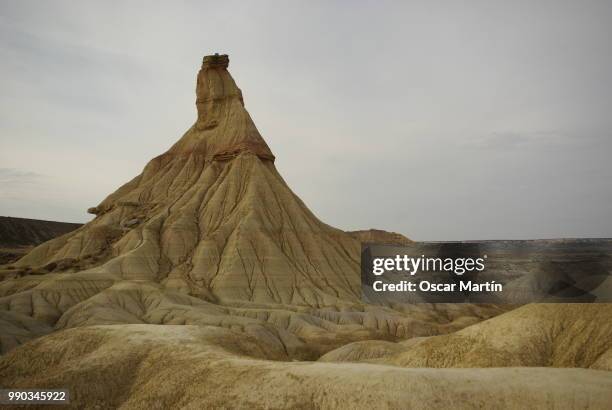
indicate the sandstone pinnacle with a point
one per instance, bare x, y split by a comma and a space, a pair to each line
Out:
212, 216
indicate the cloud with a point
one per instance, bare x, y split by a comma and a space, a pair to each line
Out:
18, 176
14, 183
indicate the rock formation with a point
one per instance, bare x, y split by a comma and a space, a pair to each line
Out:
140, 366
210, 234
558, 335
212, 215
206, 268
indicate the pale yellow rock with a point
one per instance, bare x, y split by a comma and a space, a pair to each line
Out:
195, 367
214, 211
557, 335
202, 280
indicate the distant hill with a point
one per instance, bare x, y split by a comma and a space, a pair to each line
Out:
22, 232
380, 237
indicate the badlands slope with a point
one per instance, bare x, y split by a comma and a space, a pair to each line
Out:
206, 282
194, 367
545, 335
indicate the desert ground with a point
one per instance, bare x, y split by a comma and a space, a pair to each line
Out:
205, 282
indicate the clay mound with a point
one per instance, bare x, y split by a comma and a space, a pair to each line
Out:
67, 300
209, 234
555, 335
145, 366
212, 215
362, 351
207, 269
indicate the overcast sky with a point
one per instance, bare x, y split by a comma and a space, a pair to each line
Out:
440, 120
